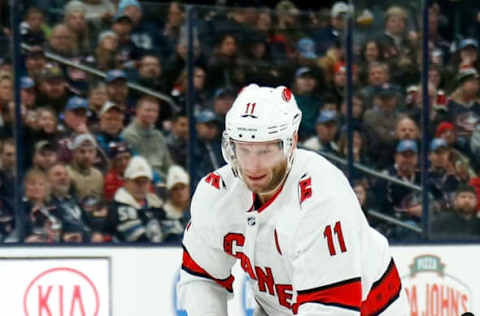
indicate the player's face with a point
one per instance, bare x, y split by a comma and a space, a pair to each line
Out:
262, 165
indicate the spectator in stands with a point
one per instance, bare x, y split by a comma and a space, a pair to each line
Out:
67, 208
47, 124
62, 42
86, 179
106, 51
464, 165
339, 82
74, 19
119, 154
150, 73
8, 170
144, 33
128, 52
96, 211
97, 96
177, 139
464, 107
358, 109
44, 155
257, 61
38, 209
176, 62
238, 23
460, 222
145, 139
110, 125
438, 105
6, 89
35, 62
177, 204
286, 31
117, 88
371, 52
305, 87
399, 46
53, 89
175, 22
207, 151
223, 65
222, 101
334, 32
378, 75
440, 46
135, 212
326, 128
380, 124
407, 128
466, 56
75, 117
396, 198
359, 146
33, 28
201, 95
442, 173
27, 92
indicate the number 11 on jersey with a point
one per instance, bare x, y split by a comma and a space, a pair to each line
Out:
327, 233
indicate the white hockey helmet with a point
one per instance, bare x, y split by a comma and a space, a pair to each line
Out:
261, 114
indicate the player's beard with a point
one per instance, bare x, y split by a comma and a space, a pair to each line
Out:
278, 175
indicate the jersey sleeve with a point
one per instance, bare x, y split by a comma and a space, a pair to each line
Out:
206, 268
327, 250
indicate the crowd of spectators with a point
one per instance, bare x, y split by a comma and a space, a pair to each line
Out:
105, 163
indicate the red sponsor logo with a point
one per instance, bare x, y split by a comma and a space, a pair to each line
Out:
61, 291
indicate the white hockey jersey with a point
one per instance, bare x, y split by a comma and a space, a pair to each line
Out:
309, 250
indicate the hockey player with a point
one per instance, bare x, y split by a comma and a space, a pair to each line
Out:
292, 220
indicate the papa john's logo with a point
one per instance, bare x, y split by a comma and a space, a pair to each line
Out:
61, 291
432, 291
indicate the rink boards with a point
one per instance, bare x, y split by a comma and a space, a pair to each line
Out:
125, 281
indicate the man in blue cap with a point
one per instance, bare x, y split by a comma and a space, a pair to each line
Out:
326, 128
207, 152
442, 171
75, 116
117, 87
399, 200
27, 92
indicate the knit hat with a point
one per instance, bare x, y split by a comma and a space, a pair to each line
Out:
443, 127
127, 3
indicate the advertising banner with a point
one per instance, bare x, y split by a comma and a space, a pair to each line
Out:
440, 280
55, 286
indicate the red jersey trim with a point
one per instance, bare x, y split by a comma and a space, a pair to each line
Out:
266, 204
345, 294
383, 292
190, 266
277, 244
